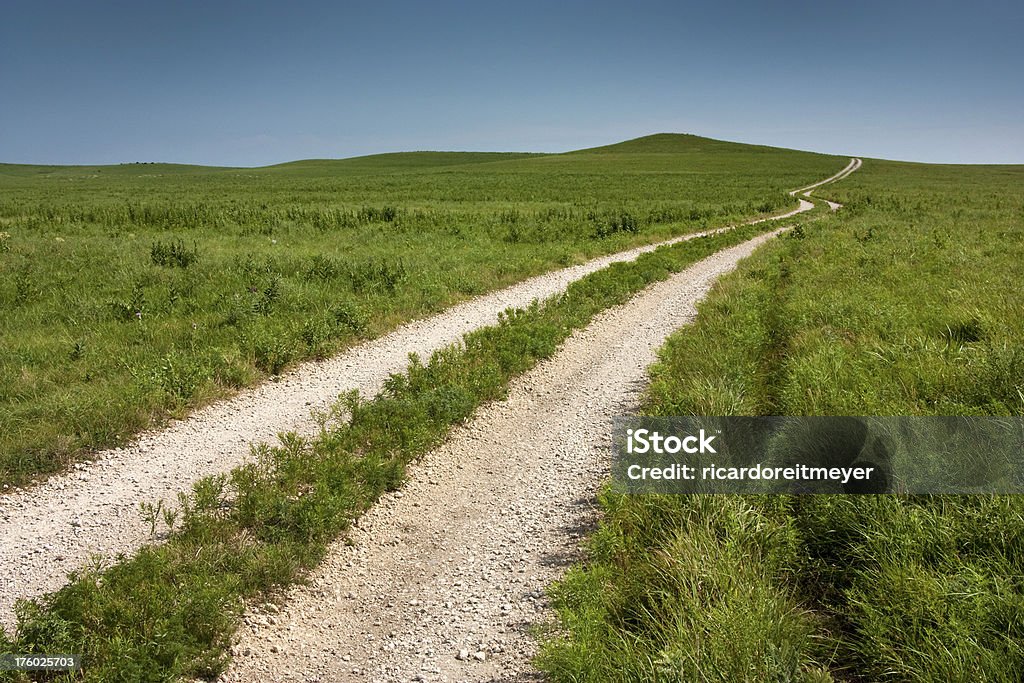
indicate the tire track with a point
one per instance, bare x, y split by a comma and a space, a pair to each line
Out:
442, 580
834, 206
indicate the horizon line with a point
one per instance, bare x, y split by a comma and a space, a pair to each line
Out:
507, 151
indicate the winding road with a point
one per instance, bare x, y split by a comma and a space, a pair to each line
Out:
443, 580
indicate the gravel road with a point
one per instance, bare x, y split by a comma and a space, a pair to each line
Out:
847, 170
58, 525
442, 580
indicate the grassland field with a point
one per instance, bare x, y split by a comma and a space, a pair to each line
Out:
137, 292
906, 302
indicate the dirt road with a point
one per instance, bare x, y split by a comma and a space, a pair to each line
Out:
443, 580
55, 527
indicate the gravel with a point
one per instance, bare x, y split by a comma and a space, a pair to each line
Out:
443, 580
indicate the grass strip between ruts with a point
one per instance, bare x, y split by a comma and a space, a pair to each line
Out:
170, 610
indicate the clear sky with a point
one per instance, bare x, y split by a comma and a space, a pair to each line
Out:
252, 83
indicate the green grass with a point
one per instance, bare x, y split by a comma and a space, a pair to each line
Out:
169, 611
907, 302
136, 292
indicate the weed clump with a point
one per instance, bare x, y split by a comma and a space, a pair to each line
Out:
622, 222
378, 275
173, 254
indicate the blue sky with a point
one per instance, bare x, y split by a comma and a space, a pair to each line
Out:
252, 83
